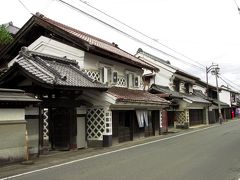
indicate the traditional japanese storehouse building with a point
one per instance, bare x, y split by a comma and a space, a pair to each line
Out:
209, 93
18, 112
188, 109
81, 80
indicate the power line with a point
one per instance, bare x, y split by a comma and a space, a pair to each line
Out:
126, 34
228, 83
134, 38
139, 32
25, 7
237, 6
151, 37
231, 82
45, 8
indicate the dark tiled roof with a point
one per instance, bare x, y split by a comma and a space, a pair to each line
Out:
54, 71
228, 89
100, 43
222, 104
167, 63
215, 101
166, 90
11, 28
15, 95
130, 95
152, 56
196, 99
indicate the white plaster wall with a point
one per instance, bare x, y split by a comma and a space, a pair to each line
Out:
93, 62
85, 60
52, 47
33, 129
198, 87
163, 77
190, 88
157, 63
82, 110
13, 142
97, 98
12, 114
224, 96
12, 135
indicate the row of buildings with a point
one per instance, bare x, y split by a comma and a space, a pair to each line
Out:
64, 89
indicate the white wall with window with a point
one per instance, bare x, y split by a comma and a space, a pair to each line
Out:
99, 68
200, 88
49, 46
224, 96
114, 73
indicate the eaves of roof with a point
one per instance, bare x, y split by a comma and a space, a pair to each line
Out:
167, 63
137, 96
15, 95
51, 73
81, 39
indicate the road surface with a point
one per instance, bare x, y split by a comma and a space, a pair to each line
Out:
209, 154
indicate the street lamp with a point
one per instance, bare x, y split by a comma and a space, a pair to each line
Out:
215, 71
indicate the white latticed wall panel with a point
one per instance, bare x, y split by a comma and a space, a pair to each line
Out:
181, 117
141, 84
45, 125
92, 74
108, 122
121, 81
187, 115
161, 119
95, 123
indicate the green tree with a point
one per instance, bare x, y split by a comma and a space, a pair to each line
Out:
5, 36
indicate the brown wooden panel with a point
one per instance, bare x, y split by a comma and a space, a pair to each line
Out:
171, 118
61, 119
195, 116
164, 121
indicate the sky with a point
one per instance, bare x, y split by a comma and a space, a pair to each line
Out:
198, 32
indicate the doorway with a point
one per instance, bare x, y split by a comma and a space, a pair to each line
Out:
62, 121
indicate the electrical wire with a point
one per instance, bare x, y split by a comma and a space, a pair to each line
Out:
25, 7
136, 39
155, 39
45, 8
236, 85
237, 6
228, 84
84, 2
127, 35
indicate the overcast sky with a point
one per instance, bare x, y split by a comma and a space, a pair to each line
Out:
204, 30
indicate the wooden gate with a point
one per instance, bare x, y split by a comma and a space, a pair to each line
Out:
61, 118
195, 117
122, 125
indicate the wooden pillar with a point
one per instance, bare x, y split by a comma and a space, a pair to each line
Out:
164, 121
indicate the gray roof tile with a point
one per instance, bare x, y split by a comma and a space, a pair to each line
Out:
55, 71
174, 94
132, 95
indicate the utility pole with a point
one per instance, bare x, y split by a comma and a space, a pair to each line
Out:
215, 71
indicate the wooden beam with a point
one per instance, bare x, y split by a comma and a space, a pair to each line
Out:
63, 103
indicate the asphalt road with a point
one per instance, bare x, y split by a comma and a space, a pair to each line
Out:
210, 154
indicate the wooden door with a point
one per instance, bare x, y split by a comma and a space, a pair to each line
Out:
125, 126
81, 132
61, 128
170, 117
149, 128
195, 116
